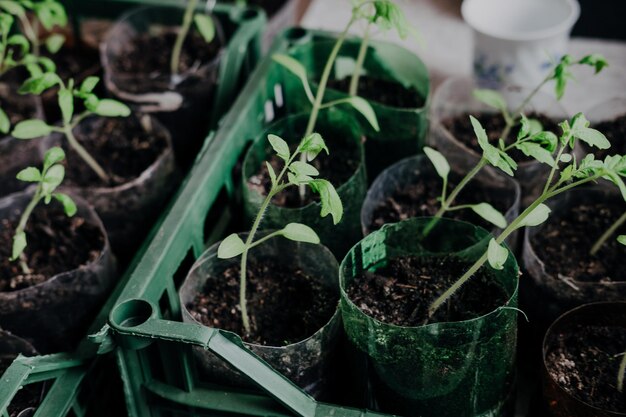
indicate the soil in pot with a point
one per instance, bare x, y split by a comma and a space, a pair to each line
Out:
382, 91
285, 304
565, 242
615, 132
584, 361
400, 292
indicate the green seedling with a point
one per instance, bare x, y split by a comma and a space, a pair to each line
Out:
67, 93
204, 25
48, 13
607, 235
47, 180
530, 140
293, 173
572, 174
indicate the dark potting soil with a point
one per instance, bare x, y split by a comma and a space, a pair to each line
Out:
122, 146
389, 93
285, 304
564, 243
615, 132
17, 110
420, 199
56, 244
584, 362
461, 128
400, 292
270, 6
338, 168
76, 62
145, 55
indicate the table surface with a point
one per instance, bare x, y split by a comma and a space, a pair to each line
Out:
445, 46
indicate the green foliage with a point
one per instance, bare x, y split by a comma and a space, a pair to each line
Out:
497, 254
622, 239
205, 26
385, 14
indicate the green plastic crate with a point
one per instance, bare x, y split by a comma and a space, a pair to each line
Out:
153, 346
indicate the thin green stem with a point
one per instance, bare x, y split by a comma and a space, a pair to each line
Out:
180, 38
607, 234
553, 169
82, 152
31, 34
358, 66
21, 226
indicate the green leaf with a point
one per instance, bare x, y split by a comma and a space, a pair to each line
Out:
37, 85
547, 140
614, 177
280, 147
5, 123
271, 173
331, 203
539, 215
66, 104
111, 108
295, 68
47, 64
597, 61
30, 174
439, 162
89, 84
205, 26
490, 152
230, 247
53, 177
312, 145
535, 151
592, 137
13, 7
566, 158
29, 129
525, 128
21, 41
489, 213
69, 206
19, 244
300, 233
364, 107
622, 239
300, 168
496, 255
491, 98
53, 156
55, 42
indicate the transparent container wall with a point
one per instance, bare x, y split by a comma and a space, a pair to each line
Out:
456, 369
331, 124
402, 130
455, 98
184, 108
309, 363
415, 169
557, 401
54, 314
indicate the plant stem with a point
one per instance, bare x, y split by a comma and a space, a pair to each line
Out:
607, 234
31, 34
620, 373
358, 67
21, 226
180, 38
554, 168
67, 130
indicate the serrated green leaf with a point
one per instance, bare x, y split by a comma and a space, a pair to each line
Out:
312, 145
29, 129
490, 152
300, 168
19, 244
592, 137
111, 108
205, 26
524, 129
55, 42
330, 200
30, 174
365, 108
539, 215
66, 104
535, 151
489, 213
547, 140
491, 98
497, 255
230, 247
439, 162
280, 146
5, 123
69, 206
53, 156
300, 233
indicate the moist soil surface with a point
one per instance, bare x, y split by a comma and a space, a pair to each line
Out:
389, 93
583, 361
615, 132
566, 239
420, 199
76, 63
122, 147
17, 110
461, 128
56, 244
401, 292
145, 56
285, 304
338, 168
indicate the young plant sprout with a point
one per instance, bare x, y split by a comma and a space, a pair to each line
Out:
47, 180
530, 140
49, 14
205, 27
571, 174
30, 129
607, 235
297, 173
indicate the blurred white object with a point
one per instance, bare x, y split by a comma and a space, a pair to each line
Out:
517, 41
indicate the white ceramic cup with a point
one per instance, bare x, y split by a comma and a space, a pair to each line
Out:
517, 41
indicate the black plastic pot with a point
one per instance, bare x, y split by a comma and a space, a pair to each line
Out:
558, 401
54, 313
309, 363
129, 210
184, 108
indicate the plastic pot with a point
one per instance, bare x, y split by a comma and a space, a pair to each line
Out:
402, 130
129, 210
53, 314
184, 107
309, 362
418, 168
459, 369
558, 401
454, 98
333, 126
